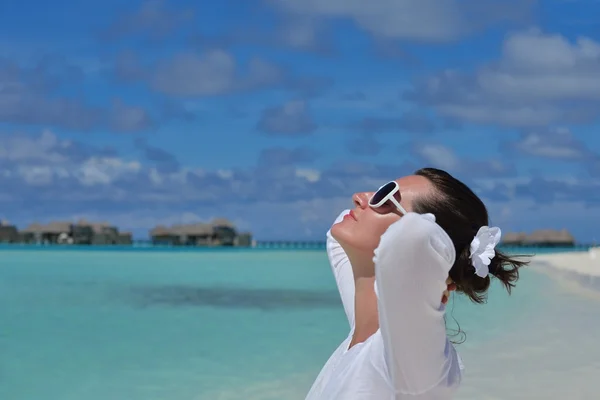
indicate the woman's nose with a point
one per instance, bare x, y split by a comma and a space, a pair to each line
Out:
361, 199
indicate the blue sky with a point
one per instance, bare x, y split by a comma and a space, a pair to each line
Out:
273, 112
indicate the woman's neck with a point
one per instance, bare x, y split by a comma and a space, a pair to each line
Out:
362, 263
366, 321
366, 318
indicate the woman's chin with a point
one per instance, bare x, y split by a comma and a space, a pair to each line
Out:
350, 238
337, 230
341, 231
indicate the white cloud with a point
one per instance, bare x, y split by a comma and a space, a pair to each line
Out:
424, 20
211, 73
190, 73
104, 170
44, 172
440, 155
311, 175
43, 159
152, 17
301, 35
36, 175
290, 118
32, 96
557, 143
225, 173
56, 170
540, 79
525, 215
443, 157
126, 118
545, 67
25, 148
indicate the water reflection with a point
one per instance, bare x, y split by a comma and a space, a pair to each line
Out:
264, 299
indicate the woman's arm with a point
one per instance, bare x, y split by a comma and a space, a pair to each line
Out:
412, 263
342, 271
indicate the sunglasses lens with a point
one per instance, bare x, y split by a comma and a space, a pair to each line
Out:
382, 193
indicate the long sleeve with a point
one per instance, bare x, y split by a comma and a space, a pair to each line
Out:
412, 263
342, 271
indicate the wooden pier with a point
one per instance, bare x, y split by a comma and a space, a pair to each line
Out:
289, 244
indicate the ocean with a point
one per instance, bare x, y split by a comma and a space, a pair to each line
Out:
143, 324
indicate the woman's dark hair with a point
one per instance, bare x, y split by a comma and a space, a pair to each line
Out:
461, 213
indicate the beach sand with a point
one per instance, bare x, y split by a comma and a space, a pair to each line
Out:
578, 270
555, 354
580, 262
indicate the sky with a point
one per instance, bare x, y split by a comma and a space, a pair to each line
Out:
273, 112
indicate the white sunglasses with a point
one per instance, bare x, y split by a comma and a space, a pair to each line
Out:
386, 194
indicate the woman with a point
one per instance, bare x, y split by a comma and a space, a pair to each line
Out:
396, 257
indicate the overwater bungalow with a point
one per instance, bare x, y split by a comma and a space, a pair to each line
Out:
220, 232
244, 239
57, 232
81, 233
540, 238
514, 238
8, 232
198, 234
99, 233
550, 238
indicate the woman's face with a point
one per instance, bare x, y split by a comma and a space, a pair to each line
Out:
363, 227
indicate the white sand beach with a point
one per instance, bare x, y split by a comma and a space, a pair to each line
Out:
580, 262
578, 271
554, 354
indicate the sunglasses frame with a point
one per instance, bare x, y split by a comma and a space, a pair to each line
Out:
388, 197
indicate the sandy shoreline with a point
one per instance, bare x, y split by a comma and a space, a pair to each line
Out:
553, 354
579, 262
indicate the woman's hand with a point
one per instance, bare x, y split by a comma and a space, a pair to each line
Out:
451, 287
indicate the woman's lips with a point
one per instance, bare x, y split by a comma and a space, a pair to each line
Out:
351, 215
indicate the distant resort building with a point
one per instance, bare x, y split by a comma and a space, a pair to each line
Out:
8, 233
220, 232
80, 233
540, 238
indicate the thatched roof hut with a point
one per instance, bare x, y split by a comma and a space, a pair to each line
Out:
8, 232
55, 227
542, 237
97, 227
197, 229
513, 238
222, 222
220, 232
160, 230
549, 237
35, 227
58, 227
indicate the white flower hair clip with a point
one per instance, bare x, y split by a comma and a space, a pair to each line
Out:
482, 249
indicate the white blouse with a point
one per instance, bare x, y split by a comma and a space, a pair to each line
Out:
410, 356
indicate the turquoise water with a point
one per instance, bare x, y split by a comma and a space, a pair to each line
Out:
89, 324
